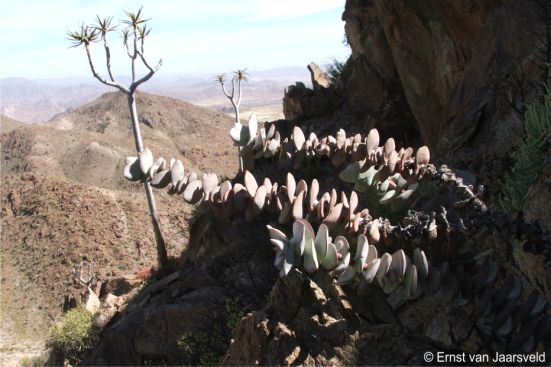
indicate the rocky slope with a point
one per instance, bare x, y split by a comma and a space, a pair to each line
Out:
452, 75
64, 201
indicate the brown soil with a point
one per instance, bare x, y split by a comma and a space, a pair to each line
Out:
63, 201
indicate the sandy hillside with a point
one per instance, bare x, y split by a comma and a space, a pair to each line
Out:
63, 201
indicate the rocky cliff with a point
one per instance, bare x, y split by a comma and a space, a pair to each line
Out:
454, 75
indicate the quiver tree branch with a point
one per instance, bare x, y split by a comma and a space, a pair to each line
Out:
88, 34
114, 84
239, 75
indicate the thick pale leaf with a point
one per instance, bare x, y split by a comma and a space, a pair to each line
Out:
311, 263
350, 173
384, 266
353, 204
341, 137
161, 179
423, 156
322, 204
313, 195
146, 160
421, 263
210, 181
297, 206
193, 192
367, 176
342, 245
159, 165
347, 275
374, 234
343, 263
322, 242
333, 199
132, 169
330, 260
277, 234
372, 254
333, 217
389, 147
273, 146
225, 189
235, 132
372, 140
291, 187
297, 241
362, 250
280, 257
271, 132
252, 126
302, 187
392, 159
410, 281
192, 177
399, 262
389, 283
259, 140
177, 172
278, 244
250, 183
260, 198
181, 185
288, 261
371, 270
298, 137
405, 195
356, 223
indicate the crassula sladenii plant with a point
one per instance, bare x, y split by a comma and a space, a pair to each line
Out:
241, 136
350, 243
134, 34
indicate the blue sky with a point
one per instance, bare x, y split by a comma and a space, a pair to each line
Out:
191, 36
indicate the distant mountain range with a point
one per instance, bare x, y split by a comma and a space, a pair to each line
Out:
40, 100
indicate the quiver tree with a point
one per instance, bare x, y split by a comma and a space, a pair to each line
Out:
134, 33
239, 76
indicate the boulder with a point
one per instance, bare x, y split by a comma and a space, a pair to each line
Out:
319, 78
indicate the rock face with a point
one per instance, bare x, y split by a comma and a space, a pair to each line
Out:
457, 71
312, 322
300, 102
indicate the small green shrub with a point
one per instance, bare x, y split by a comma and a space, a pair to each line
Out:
335, 69
200, 348
234, 313
74, 335
530, 156
34, 361
205, 347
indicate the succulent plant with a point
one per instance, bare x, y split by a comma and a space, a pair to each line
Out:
404, 274
392, 175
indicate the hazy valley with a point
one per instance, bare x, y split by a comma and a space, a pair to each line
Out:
39, 100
